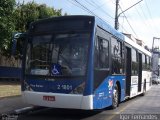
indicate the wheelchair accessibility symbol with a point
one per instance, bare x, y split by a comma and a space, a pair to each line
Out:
56, 69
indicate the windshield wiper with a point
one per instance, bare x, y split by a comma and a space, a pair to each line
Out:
37, 60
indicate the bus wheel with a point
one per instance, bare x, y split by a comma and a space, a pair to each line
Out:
115, 97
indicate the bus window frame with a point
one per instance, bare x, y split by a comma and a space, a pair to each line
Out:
122, 57
103, 34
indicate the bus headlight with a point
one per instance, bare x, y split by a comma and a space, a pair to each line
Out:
79, 89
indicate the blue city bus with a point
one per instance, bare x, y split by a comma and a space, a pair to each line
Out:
81, 62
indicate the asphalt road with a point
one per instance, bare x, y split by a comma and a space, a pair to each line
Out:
139, 108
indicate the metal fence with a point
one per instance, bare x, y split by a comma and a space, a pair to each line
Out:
10, 72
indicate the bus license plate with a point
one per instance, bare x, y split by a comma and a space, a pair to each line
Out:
49, 98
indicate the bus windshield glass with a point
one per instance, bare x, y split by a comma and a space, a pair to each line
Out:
57, 54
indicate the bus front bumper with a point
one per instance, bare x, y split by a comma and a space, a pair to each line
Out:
57, 100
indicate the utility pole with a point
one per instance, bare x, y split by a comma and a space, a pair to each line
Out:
153, 42
116, 15
155, 58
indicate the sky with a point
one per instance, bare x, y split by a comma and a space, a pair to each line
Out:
142, 20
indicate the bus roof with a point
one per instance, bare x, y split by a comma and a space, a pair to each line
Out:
99, 22
119, 35
102, 24
62, 23
75, 17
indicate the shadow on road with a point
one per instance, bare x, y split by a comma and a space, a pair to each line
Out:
58, 114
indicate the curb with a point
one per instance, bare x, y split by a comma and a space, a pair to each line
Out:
9, 97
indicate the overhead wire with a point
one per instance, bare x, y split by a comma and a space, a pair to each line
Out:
92, 13
99, 7
90, 2
149, 12
123, 20
157, 42
146, 18
89, 11
123, 29
146, 15
77, 5
128, 22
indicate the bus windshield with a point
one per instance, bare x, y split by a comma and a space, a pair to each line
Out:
57, 54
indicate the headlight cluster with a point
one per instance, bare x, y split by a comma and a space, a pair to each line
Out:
79, 89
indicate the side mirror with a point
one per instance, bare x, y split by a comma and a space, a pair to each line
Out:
18, 40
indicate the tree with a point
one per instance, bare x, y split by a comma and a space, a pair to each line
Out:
6, 23
17, 17
31, 11
24, 14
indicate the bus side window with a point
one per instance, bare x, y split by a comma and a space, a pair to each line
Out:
117, 64
134, 62
148, 62
102, 53
143, 62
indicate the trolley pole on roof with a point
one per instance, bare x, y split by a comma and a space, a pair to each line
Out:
117, 15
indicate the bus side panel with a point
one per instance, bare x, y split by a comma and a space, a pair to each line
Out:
145, 84
103, 94
146, 78
134, 86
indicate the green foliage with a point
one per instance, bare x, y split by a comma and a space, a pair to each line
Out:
17, 17
29, 12
6, 23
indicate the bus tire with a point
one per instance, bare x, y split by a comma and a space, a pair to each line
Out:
115, 97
